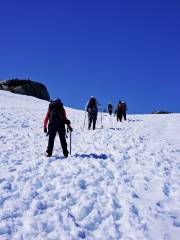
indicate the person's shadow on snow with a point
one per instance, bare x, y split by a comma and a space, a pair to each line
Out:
55, 158
92, 155
116, 129
134, 120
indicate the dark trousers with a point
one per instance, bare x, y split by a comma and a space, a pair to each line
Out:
110, 112
121, 115
62, 137
124, 115
92, 118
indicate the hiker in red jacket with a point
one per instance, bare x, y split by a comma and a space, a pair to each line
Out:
56, 116
121, 111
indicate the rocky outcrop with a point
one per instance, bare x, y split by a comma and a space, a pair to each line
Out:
25, 87
161, 112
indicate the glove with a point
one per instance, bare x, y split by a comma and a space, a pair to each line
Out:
70, 129
66, 121
45, 130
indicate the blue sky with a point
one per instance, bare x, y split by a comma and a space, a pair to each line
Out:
128, 50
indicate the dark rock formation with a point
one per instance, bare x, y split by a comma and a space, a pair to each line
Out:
25, 87
161, 112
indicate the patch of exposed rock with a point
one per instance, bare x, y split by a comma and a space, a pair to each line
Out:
25, 87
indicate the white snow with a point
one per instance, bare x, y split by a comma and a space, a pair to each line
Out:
121, 182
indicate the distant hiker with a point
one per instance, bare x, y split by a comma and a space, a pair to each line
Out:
92, 109
56, 116
121, 111
110, 108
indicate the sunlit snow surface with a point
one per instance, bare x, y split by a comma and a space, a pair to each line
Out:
121, 182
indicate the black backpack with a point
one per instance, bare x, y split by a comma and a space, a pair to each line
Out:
110, 107
56, 117
92, 103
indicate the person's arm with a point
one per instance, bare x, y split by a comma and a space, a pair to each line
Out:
86, 106
98, 104
125, 106
67, 121
116, 110
46, 120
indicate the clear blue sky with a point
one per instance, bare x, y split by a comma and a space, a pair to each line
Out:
112, 49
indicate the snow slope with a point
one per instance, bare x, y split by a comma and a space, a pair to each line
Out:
121, 182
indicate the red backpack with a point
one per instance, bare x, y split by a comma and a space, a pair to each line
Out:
122, 107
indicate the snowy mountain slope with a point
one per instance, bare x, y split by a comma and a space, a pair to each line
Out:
121, 182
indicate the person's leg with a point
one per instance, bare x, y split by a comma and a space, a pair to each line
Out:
94, 121
124, 115
120, 117
62, 137
90, 119
50, 146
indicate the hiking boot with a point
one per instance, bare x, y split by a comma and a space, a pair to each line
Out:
66, 154
48, 154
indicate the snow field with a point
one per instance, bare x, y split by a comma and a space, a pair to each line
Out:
121, 182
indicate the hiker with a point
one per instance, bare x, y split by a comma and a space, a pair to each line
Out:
56, 116
110, 109
121, 111
92, 109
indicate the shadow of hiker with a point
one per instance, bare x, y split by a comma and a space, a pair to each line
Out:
116, 129
92, 155
55, 158
134, 120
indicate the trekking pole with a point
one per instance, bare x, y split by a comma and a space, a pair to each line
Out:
84, 120
101, 117
101, 121
67, 131
70, 139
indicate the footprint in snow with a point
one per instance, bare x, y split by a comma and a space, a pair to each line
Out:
167, 171
18, 162
47, 227
40, 207
37, 183
117, 231
166, 237
176, 222
117, 210
12, 169
166, 189
82, 184
85, 211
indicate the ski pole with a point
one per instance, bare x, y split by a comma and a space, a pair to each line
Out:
84, 120
70, 139
101, 116
101, 120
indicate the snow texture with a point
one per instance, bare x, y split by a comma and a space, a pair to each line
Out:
121, 182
